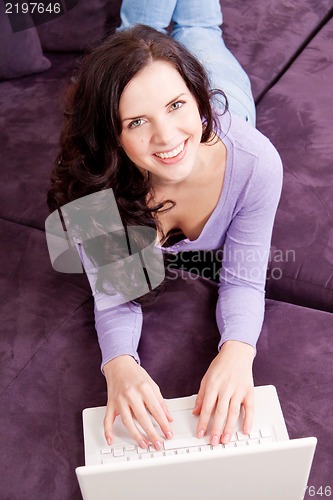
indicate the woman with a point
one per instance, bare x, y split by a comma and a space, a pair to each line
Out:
140, 120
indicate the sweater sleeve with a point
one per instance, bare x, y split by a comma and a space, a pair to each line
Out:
119, 330
119, 326
241, 295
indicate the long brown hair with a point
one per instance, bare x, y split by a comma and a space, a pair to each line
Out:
90, 157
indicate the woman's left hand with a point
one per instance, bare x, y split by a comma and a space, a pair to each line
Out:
226, 386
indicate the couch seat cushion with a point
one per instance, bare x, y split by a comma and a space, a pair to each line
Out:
296, 114
267, 36
40, 414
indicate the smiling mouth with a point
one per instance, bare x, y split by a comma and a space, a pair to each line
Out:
173, 153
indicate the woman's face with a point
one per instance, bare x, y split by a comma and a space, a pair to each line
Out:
161, 124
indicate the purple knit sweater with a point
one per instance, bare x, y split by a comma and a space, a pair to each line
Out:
241, 224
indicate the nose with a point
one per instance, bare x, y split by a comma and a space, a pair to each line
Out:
163, 133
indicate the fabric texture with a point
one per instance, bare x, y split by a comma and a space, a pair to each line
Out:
20, 53
270, 34
80, 27
302, 243
31, 110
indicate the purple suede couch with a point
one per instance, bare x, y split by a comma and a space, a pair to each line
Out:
50, 359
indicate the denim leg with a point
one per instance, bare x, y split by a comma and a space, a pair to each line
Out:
156, 14
197, 26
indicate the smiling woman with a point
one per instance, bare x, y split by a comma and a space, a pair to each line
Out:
144, 118
167, 131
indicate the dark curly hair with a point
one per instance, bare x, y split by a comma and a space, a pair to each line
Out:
90, 158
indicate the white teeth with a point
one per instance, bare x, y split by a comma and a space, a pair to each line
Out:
172, 153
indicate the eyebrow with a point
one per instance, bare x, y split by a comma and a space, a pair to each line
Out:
141, 116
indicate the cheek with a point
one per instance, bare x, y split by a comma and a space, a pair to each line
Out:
133, 146
129, 144
193, 121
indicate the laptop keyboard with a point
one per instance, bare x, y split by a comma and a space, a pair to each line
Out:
182, 446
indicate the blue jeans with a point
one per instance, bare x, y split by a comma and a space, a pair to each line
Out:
197, 26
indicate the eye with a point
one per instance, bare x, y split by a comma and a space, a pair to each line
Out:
176, 105
135, 123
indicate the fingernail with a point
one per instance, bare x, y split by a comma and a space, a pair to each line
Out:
143, 444
201, 434
109, 441
215, 441
226, 438
158, 445
169, 435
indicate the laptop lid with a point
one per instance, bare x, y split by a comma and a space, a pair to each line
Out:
275, 471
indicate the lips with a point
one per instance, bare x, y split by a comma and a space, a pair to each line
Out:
172, 153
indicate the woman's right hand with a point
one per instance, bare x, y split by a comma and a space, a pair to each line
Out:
131, 392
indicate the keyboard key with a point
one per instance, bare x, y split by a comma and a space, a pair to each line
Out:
105, 451
254, 442
142, 450
230, 445
118, 452
194, 449
131, 453
241, 444
130, 447
109, 459
181, 451
265, 432
242, 437
233, 438
173, 444
218, 447
254, 434
206, 447
146, 456
168, 453
153, 449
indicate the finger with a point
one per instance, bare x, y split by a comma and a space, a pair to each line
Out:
199, 399
219, 421
109, 419
145, 422
163, 404
129, 423
166, 411
232, 417
248, 405
158, 413
207, 409
198, 405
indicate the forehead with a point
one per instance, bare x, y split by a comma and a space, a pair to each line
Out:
157, 84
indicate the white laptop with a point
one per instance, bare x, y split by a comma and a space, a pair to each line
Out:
266, 465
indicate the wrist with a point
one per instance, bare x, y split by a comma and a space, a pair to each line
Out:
239, 347
116, 362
